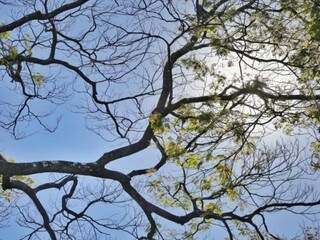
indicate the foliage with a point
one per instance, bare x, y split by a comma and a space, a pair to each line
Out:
202, 85
7, 195
38, 78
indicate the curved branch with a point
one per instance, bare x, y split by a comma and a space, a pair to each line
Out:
40, 16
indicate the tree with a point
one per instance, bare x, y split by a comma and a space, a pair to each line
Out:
200, 83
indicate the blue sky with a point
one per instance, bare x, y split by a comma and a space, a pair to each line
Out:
72, 141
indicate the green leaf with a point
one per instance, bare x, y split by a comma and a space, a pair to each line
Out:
5, 35
38, 79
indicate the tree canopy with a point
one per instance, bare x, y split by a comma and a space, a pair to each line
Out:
225, 94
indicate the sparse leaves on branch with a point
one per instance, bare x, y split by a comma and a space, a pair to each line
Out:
223, 94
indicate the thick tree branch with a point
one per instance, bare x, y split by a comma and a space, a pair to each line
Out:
40, 16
